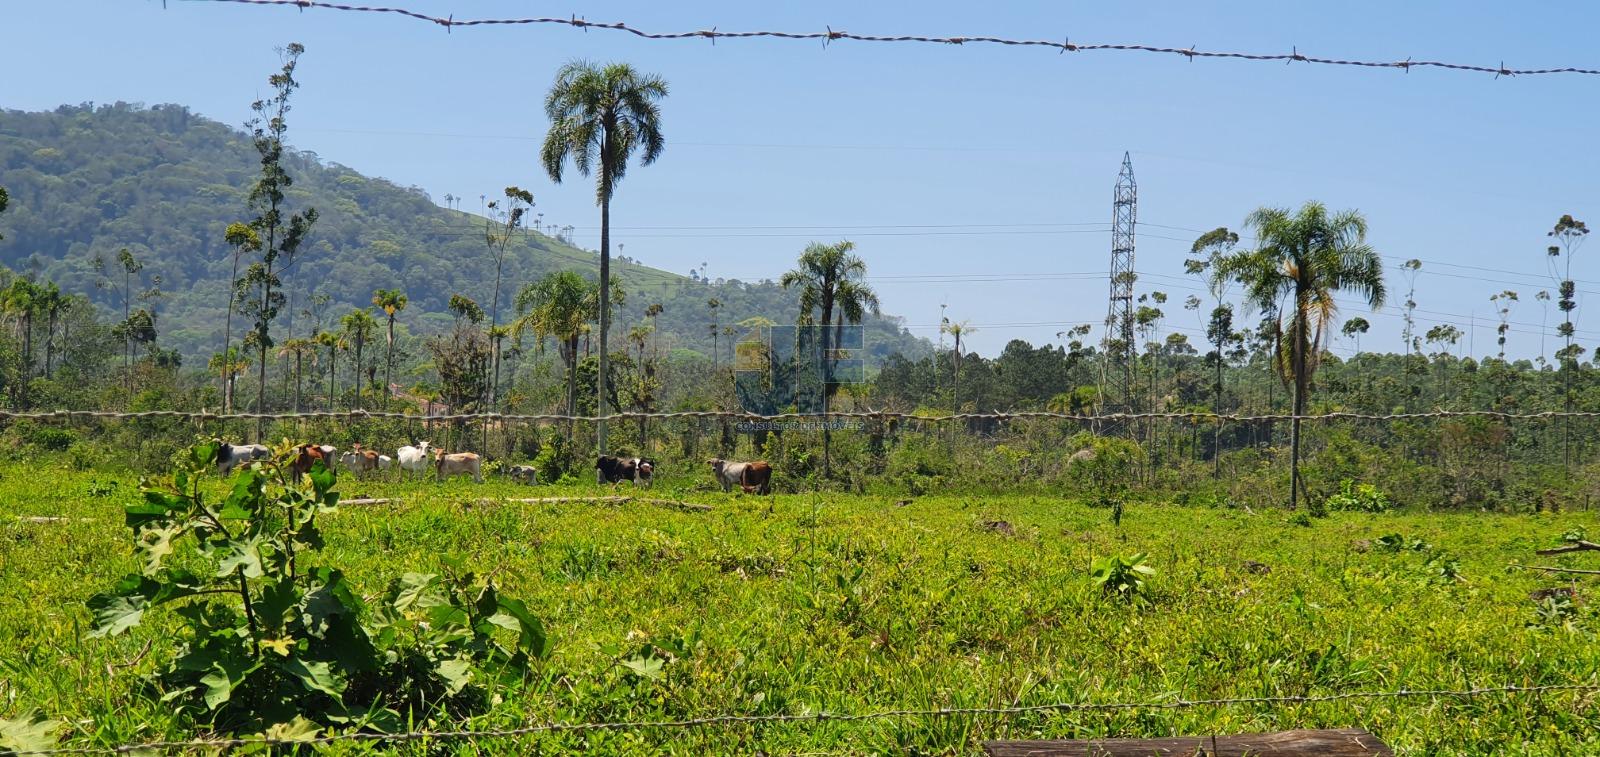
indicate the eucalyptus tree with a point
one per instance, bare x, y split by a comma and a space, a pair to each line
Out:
1219, 326
1301, 260
1446, 336
497, 236
280, 236
133, 326
1503, 302
1353, 329
599, 117
1543, 298
1569, 234
1409, 271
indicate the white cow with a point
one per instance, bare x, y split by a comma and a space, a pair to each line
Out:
230, 456
415, 459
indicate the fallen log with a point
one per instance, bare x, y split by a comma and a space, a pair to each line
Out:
51, 519
1577, 546
1553, 569
614, 500
1343, 742
366, 501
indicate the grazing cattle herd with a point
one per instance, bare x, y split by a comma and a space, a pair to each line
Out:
752, 477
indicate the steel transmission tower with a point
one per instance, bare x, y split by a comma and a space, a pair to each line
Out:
1117, 369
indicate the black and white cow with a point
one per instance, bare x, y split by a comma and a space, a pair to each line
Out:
614, 470
523, 474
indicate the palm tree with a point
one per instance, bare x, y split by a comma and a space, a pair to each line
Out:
557, 307
298, 350
50, 302
334, 343
21, 301
230, 365
391, 302
602, 114
359, 324
958, 331
1304, 258
832, 281
243, 239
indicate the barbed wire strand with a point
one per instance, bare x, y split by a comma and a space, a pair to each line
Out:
830, 35
753, 417
821, 717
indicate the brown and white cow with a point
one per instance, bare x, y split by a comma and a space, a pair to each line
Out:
613, 470
752, 477
456, 464
360, 460
307, 455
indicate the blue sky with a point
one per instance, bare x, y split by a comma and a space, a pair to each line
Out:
975, 177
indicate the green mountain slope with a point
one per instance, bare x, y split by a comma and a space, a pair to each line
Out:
164, 182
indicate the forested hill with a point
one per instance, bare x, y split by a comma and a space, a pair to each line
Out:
86, 181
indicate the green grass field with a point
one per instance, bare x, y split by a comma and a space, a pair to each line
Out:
848, 604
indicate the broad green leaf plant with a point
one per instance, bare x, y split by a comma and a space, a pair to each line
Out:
276, 642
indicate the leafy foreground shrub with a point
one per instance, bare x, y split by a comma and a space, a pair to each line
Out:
1121, 577
276, 643
1364, 498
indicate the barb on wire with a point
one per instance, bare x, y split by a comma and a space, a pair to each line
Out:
829, 35
1019, 415
817, 717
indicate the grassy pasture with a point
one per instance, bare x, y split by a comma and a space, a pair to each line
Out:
800, 603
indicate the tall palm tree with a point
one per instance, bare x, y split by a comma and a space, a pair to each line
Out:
21, 300
334, 343
1301, 260
959, 331
712, 305
391, 302
359, 324
230, 365
298, 349
833, 289
243, 239
602, 114
50, 302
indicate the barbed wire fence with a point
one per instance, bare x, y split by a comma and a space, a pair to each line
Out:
1196, 416
815, 718
830, 35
